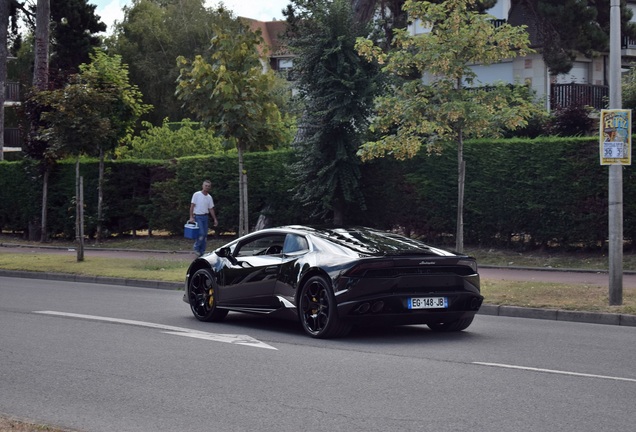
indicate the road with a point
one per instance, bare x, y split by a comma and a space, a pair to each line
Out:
104, 358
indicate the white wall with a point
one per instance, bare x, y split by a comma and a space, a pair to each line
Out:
500, 10
499, 72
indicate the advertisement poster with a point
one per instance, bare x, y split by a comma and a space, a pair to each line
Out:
616, 137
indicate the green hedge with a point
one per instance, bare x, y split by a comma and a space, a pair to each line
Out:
545, 192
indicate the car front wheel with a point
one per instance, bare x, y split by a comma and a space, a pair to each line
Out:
317, 310
202, 290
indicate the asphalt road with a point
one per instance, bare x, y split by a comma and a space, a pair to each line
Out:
106, 358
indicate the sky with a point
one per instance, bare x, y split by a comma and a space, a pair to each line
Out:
262, 10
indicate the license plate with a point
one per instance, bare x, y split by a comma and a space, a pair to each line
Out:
428, 302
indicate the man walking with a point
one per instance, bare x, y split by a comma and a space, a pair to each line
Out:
201, 205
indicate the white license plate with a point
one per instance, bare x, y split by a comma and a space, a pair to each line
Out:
428, 302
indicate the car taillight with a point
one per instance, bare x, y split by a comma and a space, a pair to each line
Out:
468, 263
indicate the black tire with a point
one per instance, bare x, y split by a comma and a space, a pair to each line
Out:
452, 326
201, 295
317, 310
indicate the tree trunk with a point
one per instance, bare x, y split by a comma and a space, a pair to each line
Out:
461, 177
41, 64
45, 198
79, 206
5, 10
100, 196
40, 82
243, 206
363, 10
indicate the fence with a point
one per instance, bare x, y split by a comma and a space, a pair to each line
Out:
563, 95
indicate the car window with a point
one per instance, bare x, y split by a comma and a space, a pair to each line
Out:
265, 245
295, 243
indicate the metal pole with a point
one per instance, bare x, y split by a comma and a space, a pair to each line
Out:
615, 197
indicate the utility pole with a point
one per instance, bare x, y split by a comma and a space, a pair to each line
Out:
615, 186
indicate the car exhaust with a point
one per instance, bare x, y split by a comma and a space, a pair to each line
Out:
363, 308
475, 303
377, 306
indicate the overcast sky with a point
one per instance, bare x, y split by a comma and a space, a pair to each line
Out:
262, 10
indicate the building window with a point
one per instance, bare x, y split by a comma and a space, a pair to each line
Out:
285, 64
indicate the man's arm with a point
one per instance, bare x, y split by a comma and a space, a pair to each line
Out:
191, 213
213, 214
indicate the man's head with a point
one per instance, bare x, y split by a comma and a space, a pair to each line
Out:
207, 184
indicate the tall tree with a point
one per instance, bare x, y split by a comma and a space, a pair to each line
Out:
151, 36
228, 90
74, 29
440, 108
338, 87
571, 27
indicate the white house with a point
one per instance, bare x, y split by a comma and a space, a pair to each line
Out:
588, 77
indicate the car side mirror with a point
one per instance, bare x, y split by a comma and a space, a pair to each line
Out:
226, 252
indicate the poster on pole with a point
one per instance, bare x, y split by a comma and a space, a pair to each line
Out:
616, 137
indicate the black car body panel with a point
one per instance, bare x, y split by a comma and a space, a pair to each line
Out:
371, 274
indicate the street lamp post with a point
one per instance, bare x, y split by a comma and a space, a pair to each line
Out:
615, 186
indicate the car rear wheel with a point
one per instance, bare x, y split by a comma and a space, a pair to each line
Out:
202, 290
452, 326
317, 310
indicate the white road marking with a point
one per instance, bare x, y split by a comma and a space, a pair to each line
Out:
172, 330
507, 366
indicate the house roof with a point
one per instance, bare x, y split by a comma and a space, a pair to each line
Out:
272, 32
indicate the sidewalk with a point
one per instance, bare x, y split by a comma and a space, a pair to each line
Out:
594, 277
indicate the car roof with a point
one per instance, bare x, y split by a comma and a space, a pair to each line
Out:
366, 240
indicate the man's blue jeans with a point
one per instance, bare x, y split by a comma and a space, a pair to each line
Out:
202, 222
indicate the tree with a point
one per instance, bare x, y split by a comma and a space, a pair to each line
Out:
151, 36
440, 108
572, 27
93, 113
74, 26
338, 87
228, 90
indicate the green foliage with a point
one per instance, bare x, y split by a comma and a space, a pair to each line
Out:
171, 140
92, 113
228, 90
547, 192
629, 89
570, 27
337, 88
152, 35
73, 37
439, 108
573, 120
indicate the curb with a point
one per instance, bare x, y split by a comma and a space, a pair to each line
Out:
559, 315
486, 309
93, 279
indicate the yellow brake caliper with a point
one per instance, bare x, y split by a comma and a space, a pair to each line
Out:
211, 297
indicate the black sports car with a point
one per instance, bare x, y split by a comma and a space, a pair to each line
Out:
333, 279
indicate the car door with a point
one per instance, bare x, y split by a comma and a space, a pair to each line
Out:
295, 249
250, 280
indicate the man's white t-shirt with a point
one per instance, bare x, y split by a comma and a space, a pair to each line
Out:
202, 203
